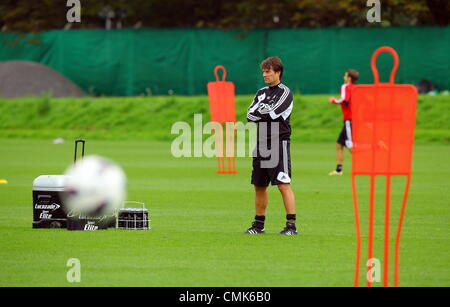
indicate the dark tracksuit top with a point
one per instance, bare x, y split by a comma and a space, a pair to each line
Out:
273, 104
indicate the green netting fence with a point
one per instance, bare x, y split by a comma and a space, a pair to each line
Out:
181, 61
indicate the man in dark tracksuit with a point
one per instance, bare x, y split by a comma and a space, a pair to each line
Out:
271, 110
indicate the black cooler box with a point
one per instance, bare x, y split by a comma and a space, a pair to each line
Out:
48, 208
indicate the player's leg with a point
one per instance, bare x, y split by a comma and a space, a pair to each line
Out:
260, 181
288, 198
289, 205
261, 200
339, 157
340, 152
339, 160
281, 177
348, 135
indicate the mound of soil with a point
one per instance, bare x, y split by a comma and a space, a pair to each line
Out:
24, 79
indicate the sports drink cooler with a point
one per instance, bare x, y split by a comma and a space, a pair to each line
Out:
48, 208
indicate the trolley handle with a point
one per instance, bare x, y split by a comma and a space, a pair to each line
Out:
83, 142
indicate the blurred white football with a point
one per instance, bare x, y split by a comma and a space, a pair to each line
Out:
95, 186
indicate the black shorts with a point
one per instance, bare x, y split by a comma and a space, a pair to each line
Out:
345, 138
275, 171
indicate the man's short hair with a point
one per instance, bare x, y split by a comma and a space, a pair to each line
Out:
273, 62
354, 74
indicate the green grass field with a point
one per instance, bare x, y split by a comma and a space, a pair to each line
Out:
198, 218
151, 118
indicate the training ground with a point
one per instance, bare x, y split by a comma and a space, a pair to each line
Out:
198, 216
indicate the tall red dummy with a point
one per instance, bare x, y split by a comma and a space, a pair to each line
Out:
384, 118
222, 108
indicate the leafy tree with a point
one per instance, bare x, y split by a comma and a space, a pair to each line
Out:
40, 15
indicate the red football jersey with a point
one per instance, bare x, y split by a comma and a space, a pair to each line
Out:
345, 101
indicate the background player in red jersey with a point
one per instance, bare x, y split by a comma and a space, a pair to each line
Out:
345, 137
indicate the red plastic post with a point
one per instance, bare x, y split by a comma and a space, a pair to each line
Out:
399, 230
371, 223
384, 116
216, 70
387, 217
358, 230
373, 64
222, 110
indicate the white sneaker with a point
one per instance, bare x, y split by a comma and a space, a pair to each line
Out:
334, 173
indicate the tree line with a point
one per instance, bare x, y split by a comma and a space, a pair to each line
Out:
42, 15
